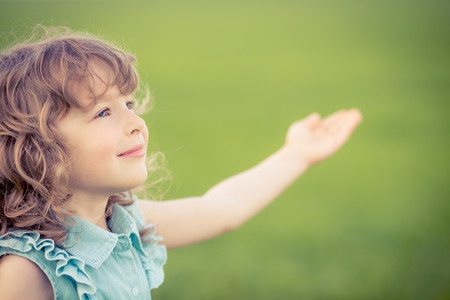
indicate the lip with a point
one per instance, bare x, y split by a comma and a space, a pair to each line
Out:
138, 151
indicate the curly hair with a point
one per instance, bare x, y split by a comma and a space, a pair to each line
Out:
37, 80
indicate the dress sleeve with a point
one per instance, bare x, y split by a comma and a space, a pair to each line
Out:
66, 273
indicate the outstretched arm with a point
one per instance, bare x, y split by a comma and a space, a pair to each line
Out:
235, 200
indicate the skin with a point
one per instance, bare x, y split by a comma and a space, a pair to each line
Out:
232, 202
33, 283
101, 138
98, 136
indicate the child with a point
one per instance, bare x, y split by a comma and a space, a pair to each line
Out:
72, 146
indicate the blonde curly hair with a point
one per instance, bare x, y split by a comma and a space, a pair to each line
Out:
36, 89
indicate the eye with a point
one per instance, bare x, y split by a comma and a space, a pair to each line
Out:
131, 104
104, 113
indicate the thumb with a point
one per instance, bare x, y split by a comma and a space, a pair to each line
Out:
312, 121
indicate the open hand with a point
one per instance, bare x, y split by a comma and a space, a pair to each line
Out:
315, 138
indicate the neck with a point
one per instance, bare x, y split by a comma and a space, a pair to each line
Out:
90, 208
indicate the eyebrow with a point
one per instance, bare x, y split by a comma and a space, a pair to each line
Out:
105, 97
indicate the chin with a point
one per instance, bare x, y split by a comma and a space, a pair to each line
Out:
137, 181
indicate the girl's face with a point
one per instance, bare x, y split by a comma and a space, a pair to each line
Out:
108, 142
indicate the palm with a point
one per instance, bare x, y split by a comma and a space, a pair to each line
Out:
315, 139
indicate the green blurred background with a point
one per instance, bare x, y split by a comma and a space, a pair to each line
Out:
228, 77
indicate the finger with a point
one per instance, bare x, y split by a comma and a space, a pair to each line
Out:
344, 128
352, 120
333, 118
356, 114
339, 127
312, 121
342, 118
331, 122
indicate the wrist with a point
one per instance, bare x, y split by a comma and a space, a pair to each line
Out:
294, 157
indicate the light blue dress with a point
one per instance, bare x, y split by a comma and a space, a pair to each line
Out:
95, 263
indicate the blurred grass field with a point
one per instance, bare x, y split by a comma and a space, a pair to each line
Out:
228, 77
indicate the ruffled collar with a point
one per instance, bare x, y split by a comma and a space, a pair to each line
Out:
93, 244
90, 245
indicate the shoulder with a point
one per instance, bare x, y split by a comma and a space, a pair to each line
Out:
37, 284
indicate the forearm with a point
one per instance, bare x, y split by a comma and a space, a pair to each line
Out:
245, 194
227, 205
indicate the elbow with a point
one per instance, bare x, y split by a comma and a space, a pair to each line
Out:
223, 216
232, 218
231, 224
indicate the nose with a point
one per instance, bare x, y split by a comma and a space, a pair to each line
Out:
135, 124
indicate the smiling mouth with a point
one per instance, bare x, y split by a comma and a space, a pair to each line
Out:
138, 151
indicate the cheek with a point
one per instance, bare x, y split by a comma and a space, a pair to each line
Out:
145, 134
95, 154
